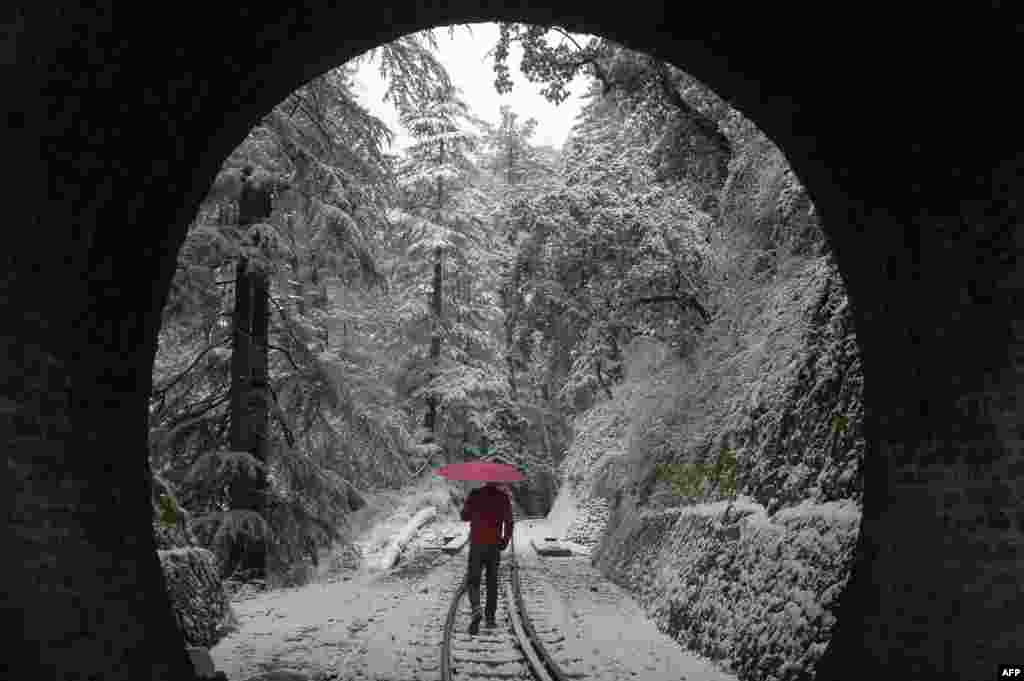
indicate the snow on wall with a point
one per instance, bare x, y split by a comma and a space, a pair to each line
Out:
200, 603
750, 583
753, 591
589, 524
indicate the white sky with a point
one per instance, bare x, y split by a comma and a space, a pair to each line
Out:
473, 73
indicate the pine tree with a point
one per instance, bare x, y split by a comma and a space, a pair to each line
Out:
249, 381
274, 473
442, 225
509, 154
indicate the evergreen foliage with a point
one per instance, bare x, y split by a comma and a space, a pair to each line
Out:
476, 291
439, 224
321, 154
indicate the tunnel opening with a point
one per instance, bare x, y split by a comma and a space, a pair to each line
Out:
291, 379
925, 241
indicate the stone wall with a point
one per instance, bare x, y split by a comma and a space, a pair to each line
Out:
588, 525
739, 586
201, 606
805, 441
171, 521
199, 598
751, 583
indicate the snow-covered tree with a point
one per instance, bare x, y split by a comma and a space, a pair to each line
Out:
441, 223
614, 251
319, 157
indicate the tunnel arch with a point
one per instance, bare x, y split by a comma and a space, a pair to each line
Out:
925, 226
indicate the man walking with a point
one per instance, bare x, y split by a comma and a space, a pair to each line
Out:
489, 513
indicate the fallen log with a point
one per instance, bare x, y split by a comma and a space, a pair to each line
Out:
456, 543
551, 548
391, 554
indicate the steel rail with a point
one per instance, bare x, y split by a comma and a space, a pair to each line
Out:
446, 640
540, 662
549, 664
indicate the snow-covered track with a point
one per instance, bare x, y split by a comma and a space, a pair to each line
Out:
511, 650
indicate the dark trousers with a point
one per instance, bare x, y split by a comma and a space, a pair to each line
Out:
481, 556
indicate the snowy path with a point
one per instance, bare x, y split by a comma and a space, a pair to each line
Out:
603, 625
376, 626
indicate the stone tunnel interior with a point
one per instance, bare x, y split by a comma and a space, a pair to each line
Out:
120, 125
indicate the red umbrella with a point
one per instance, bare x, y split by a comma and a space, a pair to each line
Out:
483, 471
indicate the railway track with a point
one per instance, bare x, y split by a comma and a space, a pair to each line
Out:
516, 648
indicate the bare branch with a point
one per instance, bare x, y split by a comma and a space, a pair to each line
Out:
566, 34
682, 299
298, 102
286, 354
194, 416
599, 71
422, 468
315, 120
164, 389
279, 413
284, 318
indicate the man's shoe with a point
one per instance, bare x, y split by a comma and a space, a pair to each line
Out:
474, 623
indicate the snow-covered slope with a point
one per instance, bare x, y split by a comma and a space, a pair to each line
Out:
751, 582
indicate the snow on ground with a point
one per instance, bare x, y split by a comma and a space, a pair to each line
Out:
348, 628
323, 629
604, 627
563, 511
369, 624
311, 629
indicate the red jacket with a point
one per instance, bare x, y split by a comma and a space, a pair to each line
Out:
489, 513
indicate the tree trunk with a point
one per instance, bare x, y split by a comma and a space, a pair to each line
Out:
250, 406
513, 388
298, 290
509, 180
512, 314
435, 338
547, 438
240, 354
430, 420
600, 379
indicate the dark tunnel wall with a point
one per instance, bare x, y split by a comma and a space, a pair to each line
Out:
116, 123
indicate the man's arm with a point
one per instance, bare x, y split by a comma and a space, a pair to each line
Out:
467, 506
